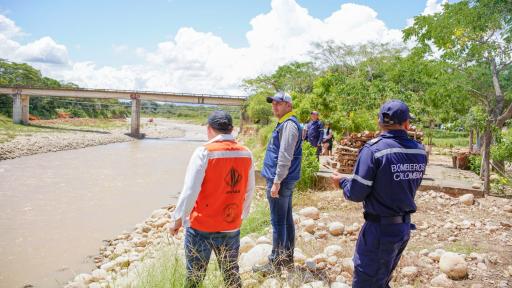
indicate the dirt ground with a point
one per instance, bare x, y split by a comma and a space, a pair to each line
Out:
482, 232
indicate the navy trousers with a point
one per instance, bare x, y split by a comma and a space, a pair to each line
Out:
378, 250
283, 228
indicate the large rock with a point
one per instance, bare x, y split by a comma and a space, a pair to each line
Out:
347, 265
467, 199
99, 274
352, 229
263, 240
507, 208
453, 265
336, 228
310, 212
333, 250
309, 226
298, 256
436, 255
246, 244
409, 272
476, 186
258, 255
441, 280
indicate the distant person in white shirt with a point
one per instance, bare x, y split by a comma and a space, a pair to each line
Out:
216, 196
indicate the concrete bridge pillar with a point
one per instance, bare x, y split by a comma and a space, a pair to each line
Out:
135, 121
20, 109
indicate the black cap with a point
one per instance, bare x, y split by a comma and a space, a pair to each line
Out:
220, 121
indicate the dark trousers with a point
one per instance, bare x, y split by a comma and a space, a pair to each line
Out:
198, 249
283, 236
378, 251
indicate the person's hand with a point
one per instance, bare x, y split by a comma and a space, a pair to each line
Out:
274, 191
176, 227
336, 177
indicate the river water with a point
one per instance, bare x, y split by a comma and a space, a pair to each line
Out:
56, 208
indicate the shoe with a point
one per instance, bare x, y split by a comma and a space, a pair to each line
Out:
266, 269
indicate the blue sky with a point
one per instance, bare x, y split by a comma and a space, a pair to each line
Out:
102, 36
90, 28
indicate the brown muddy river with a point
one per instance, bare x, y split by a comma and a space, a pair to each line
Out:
56, 208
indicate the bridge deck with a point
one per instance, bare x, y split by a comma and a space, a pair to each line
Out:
127, 94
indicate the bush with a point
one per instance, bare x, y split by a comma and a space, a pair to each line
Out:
309, 168
475, 162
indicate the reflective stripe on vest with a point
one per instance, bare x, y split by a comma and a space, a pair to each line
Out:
219, 205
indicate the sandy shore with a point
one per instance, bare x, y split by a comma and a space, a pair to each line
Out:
58, 139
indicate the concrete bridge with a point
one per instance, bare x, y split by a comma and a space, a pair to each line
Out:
21, 98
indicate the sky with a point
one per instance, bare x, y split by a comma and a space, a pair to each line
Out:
190, 46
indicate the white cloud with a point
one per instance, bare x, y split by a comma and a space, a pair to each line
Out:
8, 28
433, 7
201, 62
44, 50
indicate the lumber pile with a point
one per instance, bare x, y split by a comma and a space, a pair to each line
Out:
346, 151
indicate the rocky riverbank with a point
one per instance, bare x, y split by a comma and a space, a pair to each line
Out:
460, 242
54, 137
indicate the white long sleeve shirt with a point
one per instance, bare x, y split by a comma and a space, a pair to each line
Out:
194, 179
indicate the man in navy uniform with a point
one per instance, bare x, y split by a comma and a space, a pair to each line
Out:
314, 133
388, 172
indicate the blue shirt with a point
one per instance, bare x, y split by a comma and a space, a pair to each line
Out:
314, 132
388, 171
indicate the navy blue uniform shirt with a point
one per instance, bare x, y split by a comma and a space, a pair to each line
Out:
314, 132
388, 171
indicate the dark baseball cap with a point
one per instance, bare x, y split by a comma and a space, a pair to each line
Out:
280, 97
394, 112
220, 121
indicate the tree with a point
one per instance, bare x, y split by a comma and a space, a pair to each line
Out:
476, 37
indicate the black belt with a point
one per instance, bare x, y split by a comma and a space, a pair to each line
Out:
387, 219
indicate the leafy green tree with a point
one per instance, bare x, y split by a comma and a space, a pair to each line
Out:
476, 37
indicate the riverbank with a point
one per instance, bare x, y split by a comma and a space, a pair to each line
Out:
460, 242
43, 136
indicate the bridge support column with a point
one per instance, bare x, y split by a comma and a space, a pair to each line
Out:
135, 121
20, 109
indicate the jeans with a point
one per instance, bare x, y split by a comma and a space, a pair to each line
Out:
283, 237
378, 250
198, 248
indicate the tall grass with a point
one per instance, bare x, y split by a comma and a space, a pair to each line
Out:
258, 220
168, 270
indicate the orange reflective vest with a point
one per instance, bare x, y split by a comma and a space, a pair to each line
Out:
219, 205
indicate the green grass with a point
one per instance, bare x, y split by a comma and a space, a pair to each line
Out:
449, 139
463, 248
451, 142
168, 271
258, 221
9, 130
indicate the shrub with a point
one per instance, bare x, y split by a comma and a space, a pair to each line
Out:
309, 168
475, 162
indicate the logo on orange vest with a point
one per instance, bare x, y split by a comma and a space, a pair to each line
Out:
230, 212
232, 180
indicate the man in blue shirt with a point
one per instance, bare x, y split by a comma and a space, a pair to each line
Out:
315, 132
388, 172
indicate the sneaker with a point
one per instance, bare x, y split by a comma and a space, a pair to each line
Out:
266, 269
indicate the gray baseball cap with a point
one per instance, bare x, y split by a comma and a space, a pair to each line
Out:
280, 97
